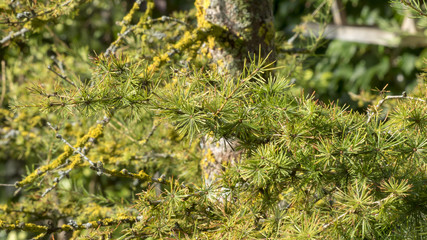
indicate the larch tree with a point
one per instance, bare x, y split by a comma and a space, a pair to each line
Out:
184, 128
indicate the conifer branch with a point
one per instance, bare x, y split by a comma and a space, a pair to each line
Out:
93, 134
325, 226
296, 151
228, 97
99, 166
71, 146
70, 226
416, 8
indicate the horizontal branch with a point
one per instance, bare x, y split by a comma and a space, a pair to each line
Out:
363, 34
13, 35
382, 101
70, 226
94, 133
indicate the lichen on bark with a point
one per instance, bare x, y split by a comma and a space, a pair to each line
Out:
241, 27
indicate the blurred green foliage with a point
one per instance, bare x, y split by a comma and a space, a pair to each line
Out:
341, 69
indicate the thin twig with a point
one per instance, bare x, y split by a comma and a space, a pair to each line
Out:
166, 18
83, 153
7, 185
13, 35
381, 102
113, 47
98, 166
62, 174
61, 76
30, 15
408, 4
145, 140
123, 133
92, 164
127, 133
294, 37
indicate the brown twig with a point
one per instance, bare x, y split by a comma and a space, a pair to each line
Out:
61, 76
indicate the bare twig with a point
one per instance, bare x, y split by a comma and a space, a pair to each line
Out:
6, 185
170, 19
381, 102
14, 35
145, 140
92, 164
62, 174
295, 36
61, 76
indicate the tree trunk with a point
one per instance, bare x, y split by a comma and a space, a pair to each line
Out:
240, 27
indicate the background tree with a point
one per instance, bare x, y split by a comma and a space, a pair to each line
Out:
111, 141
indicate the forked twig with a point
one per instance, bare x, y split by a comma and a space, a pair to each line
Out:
382, 101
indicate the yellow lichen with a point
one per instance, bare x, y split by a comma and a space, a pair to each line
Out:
29, 227
34, 228
201, 6
208, 158
211, 42
94, 132
128, 18
143, 176
66, 227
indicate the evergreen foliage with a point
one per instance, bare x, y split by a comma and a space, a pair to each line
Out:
112, 142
